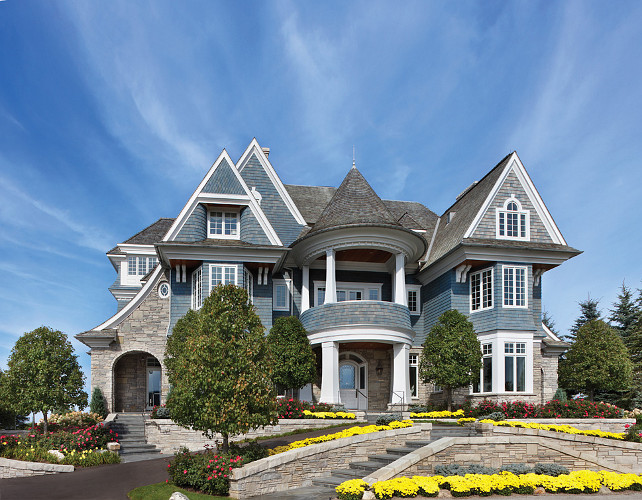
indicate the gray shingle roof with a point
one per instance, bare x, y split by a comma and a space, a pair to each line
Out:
153, 233
535, 245
212, 242
466, 208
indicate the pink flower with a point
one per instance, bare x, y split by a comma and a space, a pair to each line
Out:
185, 471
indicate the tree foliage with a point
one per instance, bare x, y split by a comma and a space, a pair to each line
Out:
625, 312
588, 312
451, 355
44, 374
97, 404
219, 367
597, 360
294, 360
549, 322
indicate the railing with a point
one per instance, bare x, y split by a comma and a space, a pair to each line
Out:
401, 400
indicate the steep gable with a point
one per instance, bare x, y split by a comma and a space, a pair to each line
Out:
223, 181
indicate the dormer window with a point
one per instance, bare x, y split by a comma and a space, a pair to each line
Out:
223, 224
512, 221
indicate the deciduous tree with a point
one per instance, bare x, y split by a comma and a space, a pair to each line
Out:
44, 374
219, 367
451, 355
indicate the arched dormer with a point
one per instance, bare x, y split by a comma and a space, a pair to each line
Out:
513, 222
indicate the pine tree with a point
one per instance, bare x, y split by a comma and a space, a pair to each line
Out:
549, 322
625, 312
588, 312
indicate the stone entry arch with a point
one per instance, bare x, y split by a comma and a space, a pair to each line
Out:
137, 382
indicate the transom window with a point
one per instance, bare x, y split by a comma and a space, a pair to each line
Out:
514, 286
139, 265
223, 224
512, 221
481, 290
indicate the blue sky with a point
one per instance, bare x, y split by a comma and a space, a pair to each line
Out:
111, 113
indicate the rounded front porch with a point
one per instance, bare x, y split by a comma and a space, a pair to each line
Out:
137, 382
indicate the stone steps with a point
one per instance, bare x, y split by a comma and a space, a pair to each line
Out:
132, 439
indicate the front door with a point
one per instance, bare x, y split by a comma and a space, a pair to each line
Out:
352, 385
153, 383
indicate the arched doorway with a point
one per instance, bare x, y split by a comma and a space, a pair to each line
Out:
353, 381
137, 382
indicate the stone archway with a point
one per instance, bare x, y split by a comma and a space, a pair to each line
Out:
137, 382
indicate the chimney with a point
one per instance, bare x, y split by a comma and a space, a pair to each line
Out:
266, 152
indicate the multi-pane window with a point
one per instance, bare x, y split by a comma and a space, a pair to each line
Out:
281, 295
197, 288
222, 274
413, 367
138, 265
412, 293
514, 286
248, 283
223, 224
512, 221
486, 379
515, 366
481, 290
373, 294
347, 291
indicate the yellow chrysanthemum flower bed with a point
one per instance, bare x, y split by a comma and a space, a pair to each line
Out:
504, 483
438, 414
550, 427
352, 431
329, 414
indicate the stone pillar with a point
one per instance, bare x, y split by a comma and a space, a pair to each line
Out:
400, 393
305, 289
400, 279
329, 373
330, 278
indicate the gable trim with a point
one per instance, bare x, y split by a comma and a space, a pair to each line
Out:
274, 178
515, 164
198, 196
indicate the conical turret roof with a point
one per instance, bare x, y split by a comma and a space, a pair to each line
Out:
354, 203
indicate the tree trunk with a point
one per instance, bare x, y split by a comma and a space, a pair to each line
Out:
591, 394
45, 426
449, 398
226, 443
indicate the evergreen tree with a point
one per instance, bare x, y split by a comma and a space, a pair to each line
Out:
219, 367
549, 322
451, 355
588, 312
597, 360
97, 404
625, 312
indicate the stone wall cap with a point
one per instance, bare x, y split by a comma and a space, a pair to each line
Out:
35, 466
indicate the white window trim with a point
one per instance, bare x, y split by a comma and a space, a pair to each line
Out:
195, 302
492, 290
515, 355
364, 288
223, 268
526, 280
224, 236
414, 288
248, 284
519, 212
416, 365
127, 279
169, 290
288, 284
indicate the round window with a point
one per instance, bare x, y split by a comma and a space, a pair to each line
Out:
163, 290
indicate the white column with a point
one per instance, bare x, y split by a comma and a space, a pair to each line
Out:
400, 279
330, 278
400, 381
329, 372
305, 289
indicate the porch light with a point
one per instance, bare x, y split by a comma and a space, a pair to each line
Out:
379, 369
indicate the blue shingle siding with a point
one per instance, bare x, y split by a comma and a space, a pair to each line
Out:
537, 309
263, 302
356, 313
437, 299
195, 227
274, 207
251, 230
223, 181
181, 299
487, 227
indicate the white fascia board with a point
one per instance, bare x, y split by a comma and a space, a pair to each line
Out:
517, 255
137, 249
276, 180
550, 333
263, 255
515, 164
117, 318
363, 333
222, 199
432, 240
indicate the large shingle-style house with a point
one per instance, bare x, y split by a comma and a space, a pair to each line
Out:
367, 277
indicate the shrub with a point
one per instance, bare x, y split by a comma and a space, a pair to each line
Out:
207, 472
160, 412
251, 452
462, 470
483, 408
578, 408
74, 419
97, 404
293, 408
497, 416
517, 469
550, 469
387, 419
560, 395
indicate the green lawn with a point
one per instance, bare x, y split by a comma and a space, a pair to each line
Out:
162, 491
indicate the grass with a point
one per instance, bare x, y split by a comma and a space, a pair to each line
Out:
162, 491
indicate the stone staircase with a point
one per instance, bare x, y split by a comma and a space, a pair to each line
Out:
359, 470
131, 435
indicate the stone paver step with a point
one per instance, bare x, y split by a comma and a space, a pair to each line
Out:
328, 481
348, 473
370, 465
400, 450
386, 458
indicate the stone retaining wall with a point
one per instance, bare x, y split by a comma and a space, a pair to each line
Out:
499, 446
170, 437
18, 468
602, 424
296, 468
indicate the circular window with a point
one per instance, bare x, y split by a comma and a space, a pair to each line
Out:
163, 290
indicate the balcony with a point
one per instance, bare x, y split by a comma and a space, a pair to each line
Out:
358, 320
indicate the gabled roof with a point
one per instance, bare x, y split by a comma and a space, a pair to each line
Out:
354, 202
148, 236
465, 210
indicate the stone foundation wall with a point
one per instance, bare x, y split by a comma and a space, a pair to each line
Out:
170, 437
18, 468
296, 468
602, 424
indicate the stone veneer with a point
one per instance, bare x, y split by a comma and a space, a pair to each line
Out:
169, 437
298, 467
18, 468
143, 331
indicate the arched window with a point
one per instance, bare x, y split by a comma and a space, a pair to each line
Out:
512, 221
